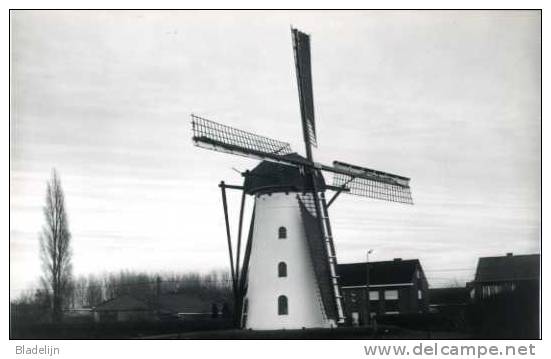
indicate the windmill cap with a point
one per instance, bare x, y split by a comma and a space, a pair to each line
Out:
272, 177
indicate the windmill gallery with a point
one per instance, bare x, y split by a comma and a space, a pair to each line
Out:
288, 276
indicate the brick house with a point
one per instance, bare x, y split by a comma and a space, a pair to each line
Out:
395, 287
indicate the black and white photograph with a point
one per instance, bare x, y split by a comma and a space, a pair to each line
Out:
275, 174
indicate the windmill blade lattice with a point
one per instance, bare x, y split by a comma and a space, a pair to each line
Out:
367, 182
222, 138
373, 189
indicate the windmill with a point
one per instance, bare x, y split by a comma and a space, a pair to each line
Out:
287, 277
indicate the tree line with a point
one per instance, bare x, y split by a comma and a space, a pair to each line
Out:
89, 291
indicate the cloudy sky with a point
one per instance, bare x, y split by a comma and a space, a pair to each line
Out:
450, 99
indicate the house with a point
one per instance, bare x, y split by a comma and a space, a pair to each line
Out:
505, 297
395, 287
125, 308
506, 274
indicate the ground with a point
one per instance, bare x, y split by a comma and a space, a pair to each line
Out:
335, 333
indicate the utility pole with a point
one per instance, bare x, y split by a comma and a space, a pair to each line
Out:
367, 299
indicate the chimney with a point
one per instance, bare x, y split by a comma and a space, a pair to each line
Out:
397, 259
510, 254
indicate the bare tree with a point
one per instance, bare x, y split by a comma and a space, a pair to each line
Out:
80, 287
94, 292
55, 249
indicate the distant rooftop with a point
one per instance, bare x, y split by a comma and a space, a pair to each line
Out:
508, 268
388, 272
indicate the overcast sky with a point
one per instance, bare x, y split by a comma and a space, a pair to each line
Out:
450, 99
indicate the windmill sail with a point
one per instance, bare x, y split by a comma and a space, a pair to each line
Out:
214, 136
301, 47
370, 183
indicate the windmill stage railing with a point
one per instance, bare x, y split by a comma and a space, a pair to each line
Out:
228, 139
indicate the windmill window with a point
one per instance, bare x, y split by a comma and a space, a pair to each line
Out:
282, 269
282, 305
282, 233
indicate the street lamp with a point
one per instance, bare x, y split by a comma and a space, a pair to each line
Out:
368, 309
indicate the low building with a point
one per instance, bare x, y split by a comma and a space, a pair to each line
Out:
395, 287
123, 309
167, 306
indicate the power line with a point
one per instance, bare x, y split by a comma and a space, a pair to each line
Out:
450, 270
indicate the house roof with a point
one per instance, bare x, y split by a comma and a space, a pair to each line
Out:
508, 268
456, 295
380, 273
122, 303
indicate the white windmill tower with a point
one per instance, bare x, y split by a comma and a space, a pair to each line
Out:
287, 278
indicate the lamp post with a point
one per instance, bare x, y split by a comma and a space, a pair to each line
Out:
367, 306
